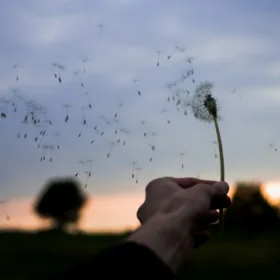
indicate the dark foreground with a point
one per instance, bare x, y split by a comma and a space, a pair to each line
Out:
43, 255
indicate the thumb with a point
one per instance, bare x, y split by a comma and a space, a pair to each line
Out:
219, 189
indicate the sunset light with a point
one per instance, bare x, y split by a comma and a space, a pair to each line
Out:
271, 191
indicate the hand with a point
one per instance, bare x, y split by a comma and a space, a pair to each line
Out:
175, 215
159, 191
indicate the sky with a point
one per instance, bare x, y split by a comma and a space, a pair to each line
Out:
233, 44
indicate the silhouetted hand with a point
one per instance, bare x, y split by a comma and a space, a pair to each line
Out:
175, 215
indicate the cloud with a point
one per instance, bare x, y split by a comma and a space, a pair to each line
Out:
230, 48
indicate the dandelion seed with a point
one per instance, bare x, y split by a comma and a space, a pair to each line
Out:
215, 151
66, 106
138, 170
273, 147
59, 68
111, 144
158, 57
133, 169
182, 158
123, 132
120, 105
77, 74
16, 67
88, 174
3, 203
88, 98
85, 60
100, 27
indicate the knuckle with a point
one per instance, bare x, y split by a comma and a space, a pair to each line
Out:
154, 184
141, 213
205, 189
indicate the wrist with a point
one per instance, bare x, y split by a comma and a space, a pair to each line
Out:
166, 239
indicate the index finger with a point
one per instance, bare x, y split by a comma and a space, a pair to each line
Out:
189, 182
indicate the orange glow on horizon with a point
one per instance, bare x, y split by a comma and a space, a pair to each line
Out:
103, 213
271, 191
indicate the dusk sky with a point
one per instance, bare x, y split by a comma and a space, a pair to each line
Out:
234, 44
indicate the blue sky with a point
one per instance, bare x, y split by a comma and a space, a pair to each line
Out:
234, 44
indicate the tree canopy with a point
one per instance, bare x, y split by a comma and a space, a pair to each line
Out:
61, 200
250, 212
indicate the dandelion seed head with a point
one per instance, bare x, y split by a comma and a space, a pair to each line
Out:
204, 105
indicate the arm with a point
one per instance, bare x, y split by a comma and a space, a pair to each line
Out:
126, 261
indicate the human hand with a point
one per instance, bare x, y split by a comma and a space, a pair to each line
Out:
203, 212
175, 215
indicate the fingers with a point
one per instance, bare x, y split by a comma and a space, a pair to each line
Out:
189, 182
220, 202
209, 217
215, 190
201, 238
212, 217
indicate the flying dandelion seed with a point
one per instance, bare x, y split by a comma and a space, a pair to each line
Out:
88, 99
84, 61
153, 148
59, 69
235, 92
77, 74
120, 105
56, 135
16, 69
123, 136
170, 55
189, 60
43, 134
182, 158
105, 120
47, 152
163, 111
273, 147
215, 143
88, 175
4, 107
137, 88
66, 106
3, 203
84, 120
111, 146
100, 27
205, 108
158, 57
180, 49
133, 169
85, 167
137, 174
16, 98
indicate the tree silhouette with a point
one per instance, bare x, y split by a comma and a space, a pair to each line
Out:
61, 201
250, 212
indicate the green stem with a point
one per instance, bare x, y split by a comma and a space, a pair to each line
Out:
222, 168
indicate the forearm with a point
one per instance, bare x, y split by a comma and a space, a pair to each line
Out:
126, 261
163, 237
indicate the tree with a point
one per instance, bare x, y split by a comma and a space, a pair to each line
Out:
61, 201
250, 212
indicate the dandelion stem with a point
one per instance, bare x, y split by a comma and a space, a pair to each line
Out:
222, 168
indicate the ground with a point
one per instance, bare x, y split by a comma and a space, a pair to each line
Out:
42, 255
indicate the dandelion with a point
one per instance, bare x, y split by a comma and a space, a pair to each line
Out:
205, 107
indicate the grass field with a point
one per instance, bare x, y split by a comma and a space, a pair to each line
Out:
43, 255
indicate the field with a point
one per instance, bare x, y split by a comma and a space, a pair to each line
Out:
43, 255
